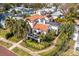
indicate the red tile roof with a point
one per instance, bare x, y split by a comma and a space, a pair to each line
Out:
35, 17
5, 52
43, 27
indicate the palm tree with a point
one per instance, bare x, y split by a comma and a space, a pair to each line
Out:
9, 22
23, 29
19, 28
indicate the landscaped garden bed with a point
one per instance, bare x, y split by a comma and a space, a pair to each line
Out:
5, 44
34, 45
20, 52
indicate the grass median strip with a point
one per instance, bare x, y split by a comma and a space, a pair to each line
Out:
20, 52
7, 45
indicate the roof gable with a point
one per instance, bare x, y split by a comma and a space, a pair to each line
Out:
43, 27
35, 17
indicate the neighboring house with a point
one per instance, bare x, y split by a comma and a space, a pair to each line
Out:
57, 14
45, 11
54, 26
75, 35
17, 16
20, 12
76, 38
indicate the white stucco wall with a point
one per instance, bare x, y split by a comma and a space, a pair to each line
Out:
31, 24
54, 27
75, 35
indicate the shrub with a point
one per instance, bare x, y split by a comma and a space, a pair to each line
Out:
36, 45
8, 35
14, 39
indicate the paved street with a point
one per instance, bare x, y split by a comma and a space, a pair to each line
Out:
5, 52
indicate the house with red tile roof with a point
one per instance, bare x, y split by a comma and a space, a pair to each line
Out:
41, 24
41, 28
37, 19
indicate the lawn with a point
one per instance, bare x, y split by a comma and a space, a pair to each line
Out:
7, 45
34, 45
14, 39
69, 52
71, 42
3, 32
20, 52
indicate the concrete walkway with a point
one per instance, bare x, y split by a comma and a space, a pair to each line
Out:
28, 50
33, 53
12, 47
19, 46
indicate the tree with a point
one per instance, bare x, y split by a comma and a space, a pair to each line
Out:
50, 36
9, 22
67, 27
42, 37
23, 28
19, 28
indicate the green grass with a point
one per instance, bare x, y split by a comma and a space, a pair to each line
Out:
34, 45
49, 52
3, 32
69, 52
7, 45
20, 52
71, 42
14, 39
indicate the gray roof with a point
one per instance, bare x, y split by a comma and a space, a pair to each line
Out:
57, 13
54, 23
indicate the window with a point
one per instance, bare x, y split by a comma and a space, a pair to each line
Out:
41, 20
